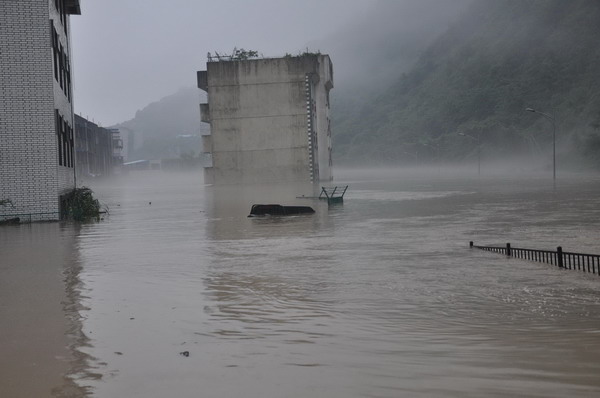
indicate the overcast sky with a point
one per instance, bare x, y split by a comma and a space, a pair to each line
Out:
129, 53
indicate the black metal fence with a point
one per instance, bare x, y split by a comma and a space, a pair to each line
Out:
568, 260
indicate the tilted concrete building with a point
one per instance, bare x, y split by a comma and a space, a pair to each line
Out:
269, 119
36, 109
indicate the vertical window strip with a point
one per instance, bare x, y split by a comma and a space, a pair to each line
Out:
64, 142
58, 127
64, 70
61, 66
55, 51
68, 77
62, 12
65, 18
71, 147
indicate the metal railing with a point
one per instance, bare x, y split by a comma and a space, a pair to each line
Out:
25, 218
568, 260
333, 194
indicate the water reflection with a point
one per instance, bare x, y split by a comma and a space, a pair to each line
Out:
40, 312
258, 282
227, 208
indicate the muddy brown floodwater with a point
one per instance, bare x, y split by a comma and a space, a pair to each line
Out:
178, 293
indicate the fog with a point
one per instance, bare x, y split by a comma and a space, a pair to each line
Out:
130, 53
371, 52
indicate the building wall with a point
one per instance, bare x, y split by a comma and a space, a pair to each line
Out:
96, 148
259, 117
63, 100
29, 172
323, 119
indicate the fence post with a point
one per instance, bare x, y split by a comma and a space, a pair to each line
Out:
559, 256
508, 253
471, 244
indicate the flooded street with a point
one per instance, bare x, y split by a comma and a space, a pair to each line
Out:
178, 293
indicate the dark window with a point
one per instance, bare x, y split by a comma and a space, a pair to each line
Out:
55, 49
59, 123
67, 78
62, 12
65, 141
61, 62
71, 147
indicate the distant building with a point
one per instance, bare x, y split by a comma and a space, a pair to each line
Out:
117, 147
37, 157
269, 119
98, 150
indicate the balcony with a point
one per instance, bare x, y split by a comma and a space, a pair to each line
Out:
202, 80
207, 142
204, 113
207, 160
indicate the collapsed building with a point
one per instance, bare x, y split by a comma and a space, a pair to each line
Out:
269, 119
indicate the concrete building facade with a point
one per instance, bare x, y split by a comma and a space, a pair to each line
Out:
37, 156
269, 119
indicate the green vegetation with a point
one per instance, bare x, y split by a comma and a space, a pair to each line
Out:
242, 55
477, 79
80, 205
236, 55
309, 53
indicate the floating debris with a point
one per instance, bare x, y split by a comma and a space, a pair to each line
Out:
279, 210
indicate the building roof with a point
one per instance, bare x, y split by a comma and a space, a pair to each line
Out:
72, 7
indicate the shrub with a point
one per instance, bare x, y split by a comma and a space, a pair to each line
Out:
80, 205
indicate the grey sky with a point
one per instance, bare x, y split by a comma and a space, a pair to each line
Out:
128, 53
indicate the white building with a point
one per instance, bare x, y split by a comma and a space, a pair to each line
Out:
269, 119
36, 108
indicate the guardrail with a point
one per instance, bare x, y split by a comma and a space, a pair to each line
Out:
25, 218
568, 260
333, 194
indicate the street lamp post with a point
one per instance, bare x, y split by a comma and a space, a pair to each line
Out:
478, 150
553, 120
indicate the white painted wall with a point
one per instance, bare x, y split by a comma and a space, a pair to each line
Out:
29, 173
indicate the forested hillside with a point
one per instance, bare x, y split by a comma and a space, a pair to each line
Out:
477, 78
162, 121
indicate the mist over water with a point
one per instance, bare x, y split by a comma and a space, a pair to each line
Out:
380, 296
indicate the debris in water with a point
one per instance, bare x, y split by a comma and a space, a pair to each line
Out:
279, 210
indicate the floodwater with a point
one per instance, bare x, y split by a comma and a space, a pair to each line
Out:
178, 293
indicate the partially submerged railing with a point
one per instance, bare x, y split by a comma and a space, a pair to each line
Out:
569, 260
333, 194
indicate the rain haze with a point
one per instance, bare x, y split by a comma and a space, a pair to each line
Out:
226, 227
130, 53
